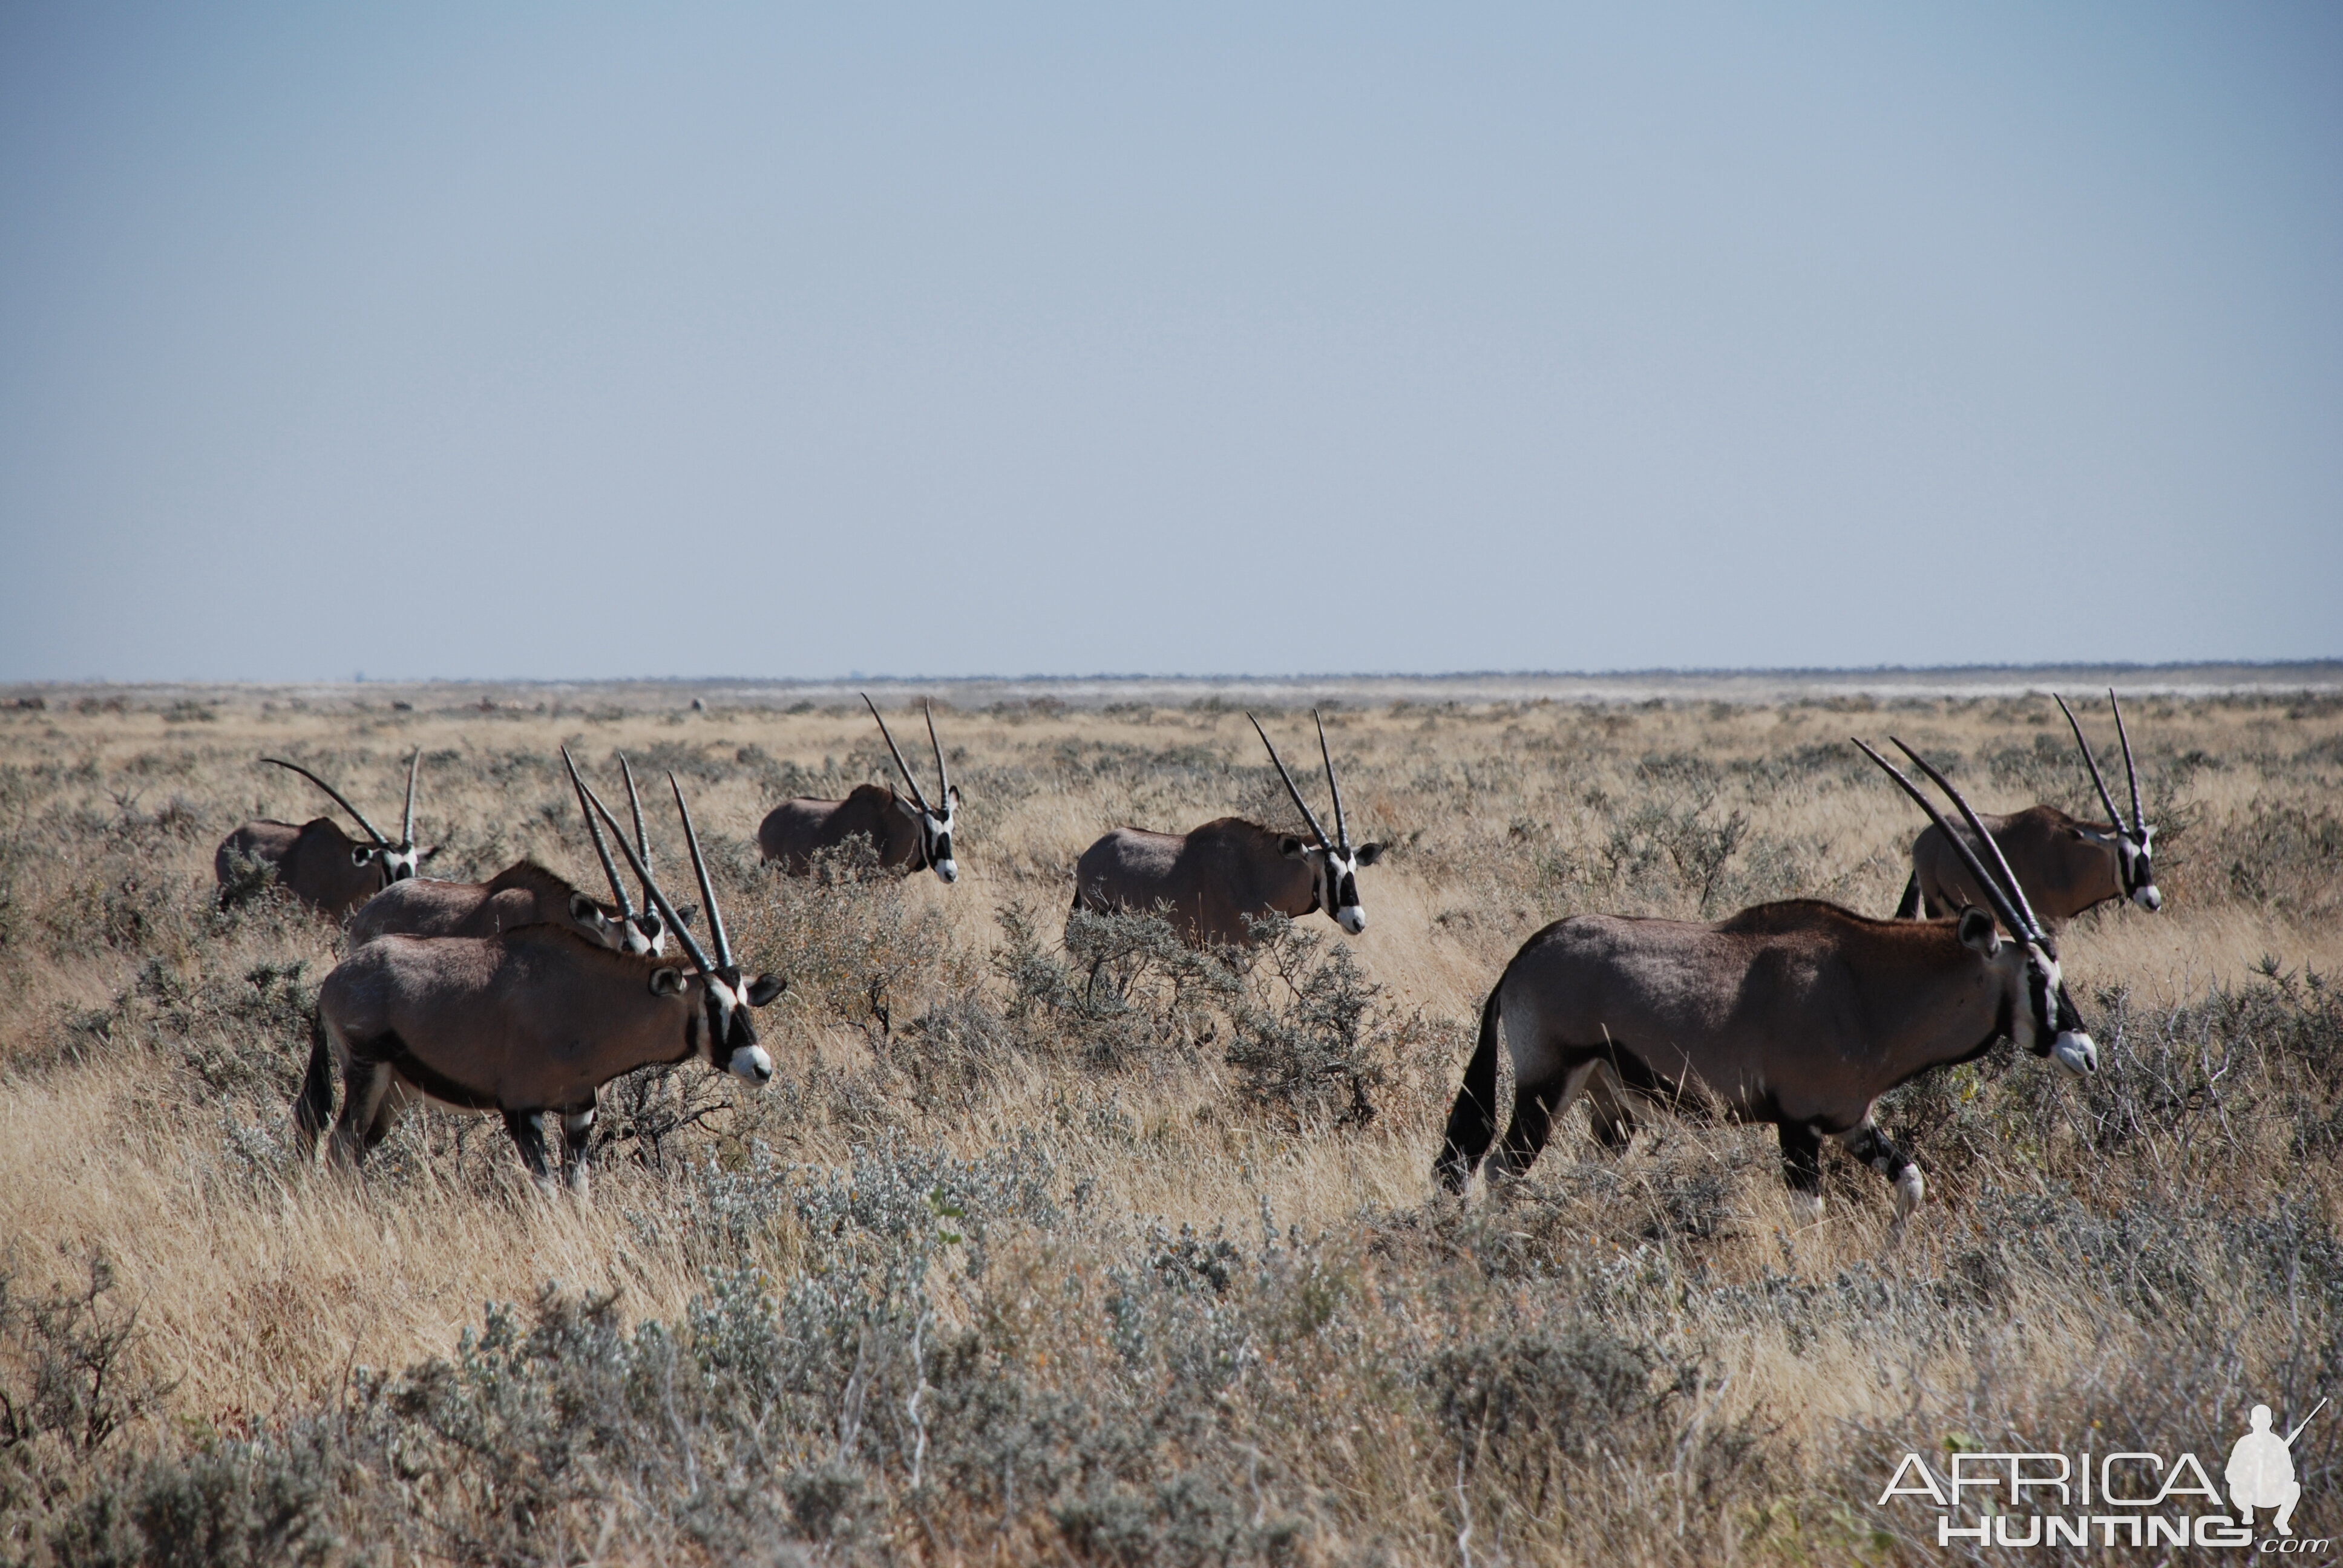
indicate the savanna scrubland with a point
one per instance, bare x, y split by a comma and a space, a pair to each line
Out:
1076, 1247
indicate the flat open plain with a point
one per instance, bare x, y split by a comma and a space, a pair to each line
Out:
1117, 1257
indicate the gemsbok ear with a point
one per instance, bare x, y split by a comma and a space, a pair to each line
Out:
954, 793
667, 981
426, 854
582, 911
1291, 848
684, 912
1977, 934
765, 988
1370, 853
361, 853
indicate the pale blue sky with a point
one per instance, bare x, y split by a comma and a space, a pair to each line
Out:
560, 341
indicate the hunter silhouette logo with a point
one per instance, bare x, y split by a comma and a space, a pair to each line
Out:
2261, 1470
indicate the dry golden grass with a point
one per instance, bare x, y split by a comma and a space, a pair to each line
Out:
258, 1292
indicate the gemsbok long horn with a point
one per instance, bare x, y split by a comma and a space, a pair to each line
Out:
897, 750
706, 887
372, 831
2033, 926
601, 850
2138, 817
943, 779
2090, 761
635, 806
1307, 814
1341, 829
2011, 892
1983, 877
691, 948
407, 823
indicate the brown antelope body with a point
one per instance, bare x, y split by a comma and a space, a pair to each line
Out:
322, 866
2065, 867
909, 835
1801, 1014
1214, 880
522, 894
530, 1023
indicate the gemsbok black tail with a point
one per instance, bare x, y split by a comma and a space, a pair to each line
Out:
316, 1099
1909, 908
1472, 1123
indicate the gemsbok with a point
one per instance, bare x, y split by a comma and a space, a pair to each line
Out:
523, 894
1215, 879
323, 867
2065, 867
530, 1023
911, 834
1799, 1013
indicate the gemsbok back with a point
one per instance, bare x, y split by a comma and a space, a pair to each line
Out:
912, 835
530, 1023
323, 867
523, 894
1800, 1013
2065, 867
1216, 879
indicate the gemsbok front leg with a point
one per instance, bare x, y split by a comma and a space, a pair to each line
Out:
527, 1131
1870, 1145
1802, 1164
577, 1138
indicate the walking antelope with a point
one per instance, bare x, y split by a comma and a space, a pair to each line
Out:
327, 869
1214, 878
523, 894
2065, 867
1800, 1013
529, 1022
911, 833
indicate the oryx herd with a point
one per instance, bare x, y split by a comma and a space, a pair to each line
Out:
524, 995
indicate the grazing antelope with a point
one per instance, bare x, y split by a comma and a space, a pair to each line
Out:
326, 869
529, 1022
1216, 877
2065, 867
523, 894
911, 834
1800, 1013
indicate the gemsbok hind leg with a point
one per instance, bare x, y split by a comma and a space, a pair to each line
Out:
364, 1084
395, 1102
1608, 1113
1802, 1165
1868, 1144
1534, 1108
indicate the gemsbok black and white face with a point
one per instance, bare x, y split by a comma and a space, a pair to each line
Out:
397, 862
2134, 840
726, 1034
722, 1030
935, 820
1334, 863
2046, 1021
1335, 876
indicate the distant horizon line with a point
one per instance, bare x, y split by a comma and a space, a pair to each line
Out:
357, 678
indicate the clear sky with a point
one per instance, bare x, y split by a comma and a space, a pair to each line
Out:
581, 341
